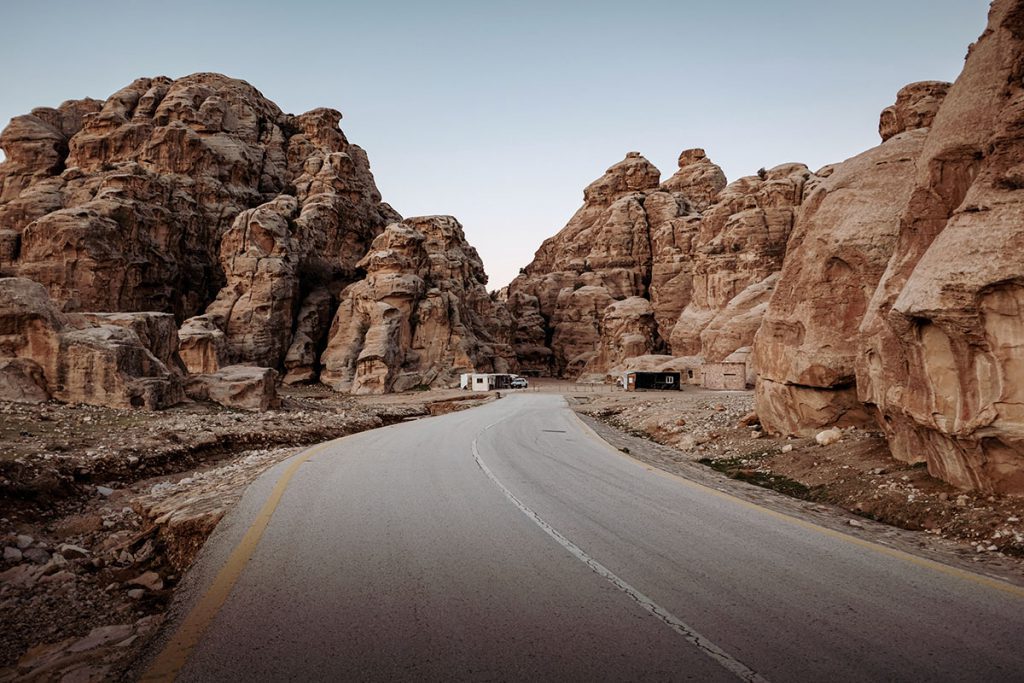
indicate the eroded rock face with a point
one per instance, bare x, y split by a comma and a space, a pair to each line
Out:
628, 329
916, 106
943, 357
845, 233
261, 262
702, 253
631, 238
421, 316
189, 196
742, 241
203, 345
158, 332
312, 325
698, 178
47, 354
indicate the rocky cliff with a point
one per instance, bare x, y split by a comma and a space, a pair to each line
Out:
844, 235
199, 198
884, 290
942, 357
900, 297
120, 205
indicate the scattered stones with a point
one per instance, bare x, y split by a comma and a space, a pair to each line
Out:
149, 581
36, 555
72, 552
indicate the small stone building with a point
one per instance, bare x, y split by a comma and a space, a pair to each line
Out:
725, 376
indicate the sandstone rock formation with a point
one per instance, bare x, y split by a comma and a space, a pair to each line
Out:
943, 357
203, 346
631, 238
741, 243
627, 330
697, 178
844, 235
47, 354
916, 106
703, 254
190, 196
900, 294
420, 317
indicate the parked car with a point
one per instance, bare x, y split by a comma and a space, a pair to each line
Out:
519, 383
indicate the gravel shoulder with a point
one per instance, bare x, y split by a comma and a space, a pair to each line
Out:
852, 485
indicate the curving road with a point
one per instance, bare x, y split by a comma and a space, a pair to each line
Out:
508, 542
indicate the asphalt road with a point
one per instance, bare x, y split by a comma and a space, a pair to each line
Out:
508, 543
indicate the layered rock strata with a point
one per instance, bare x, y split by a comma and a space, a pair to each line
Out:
46, 354
633, 237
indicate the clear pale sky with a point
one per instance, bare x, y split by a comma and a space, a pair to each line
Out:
500, 113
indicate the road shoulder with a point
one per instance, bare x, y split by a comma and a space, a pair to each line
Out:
918, 544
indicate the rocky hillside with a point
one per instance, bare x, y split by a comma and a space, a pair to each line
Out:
199, 198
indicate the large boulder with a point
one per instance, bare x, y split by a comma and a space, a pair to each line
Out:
109, 365
243, 387
22, 381
158, 332
203, 346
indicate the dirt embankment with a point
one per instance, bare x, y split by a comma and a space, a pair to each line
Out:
856, 472
101, 512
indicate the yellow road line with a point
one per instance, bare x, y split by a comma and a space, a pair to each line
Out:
956, 572
172, 658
